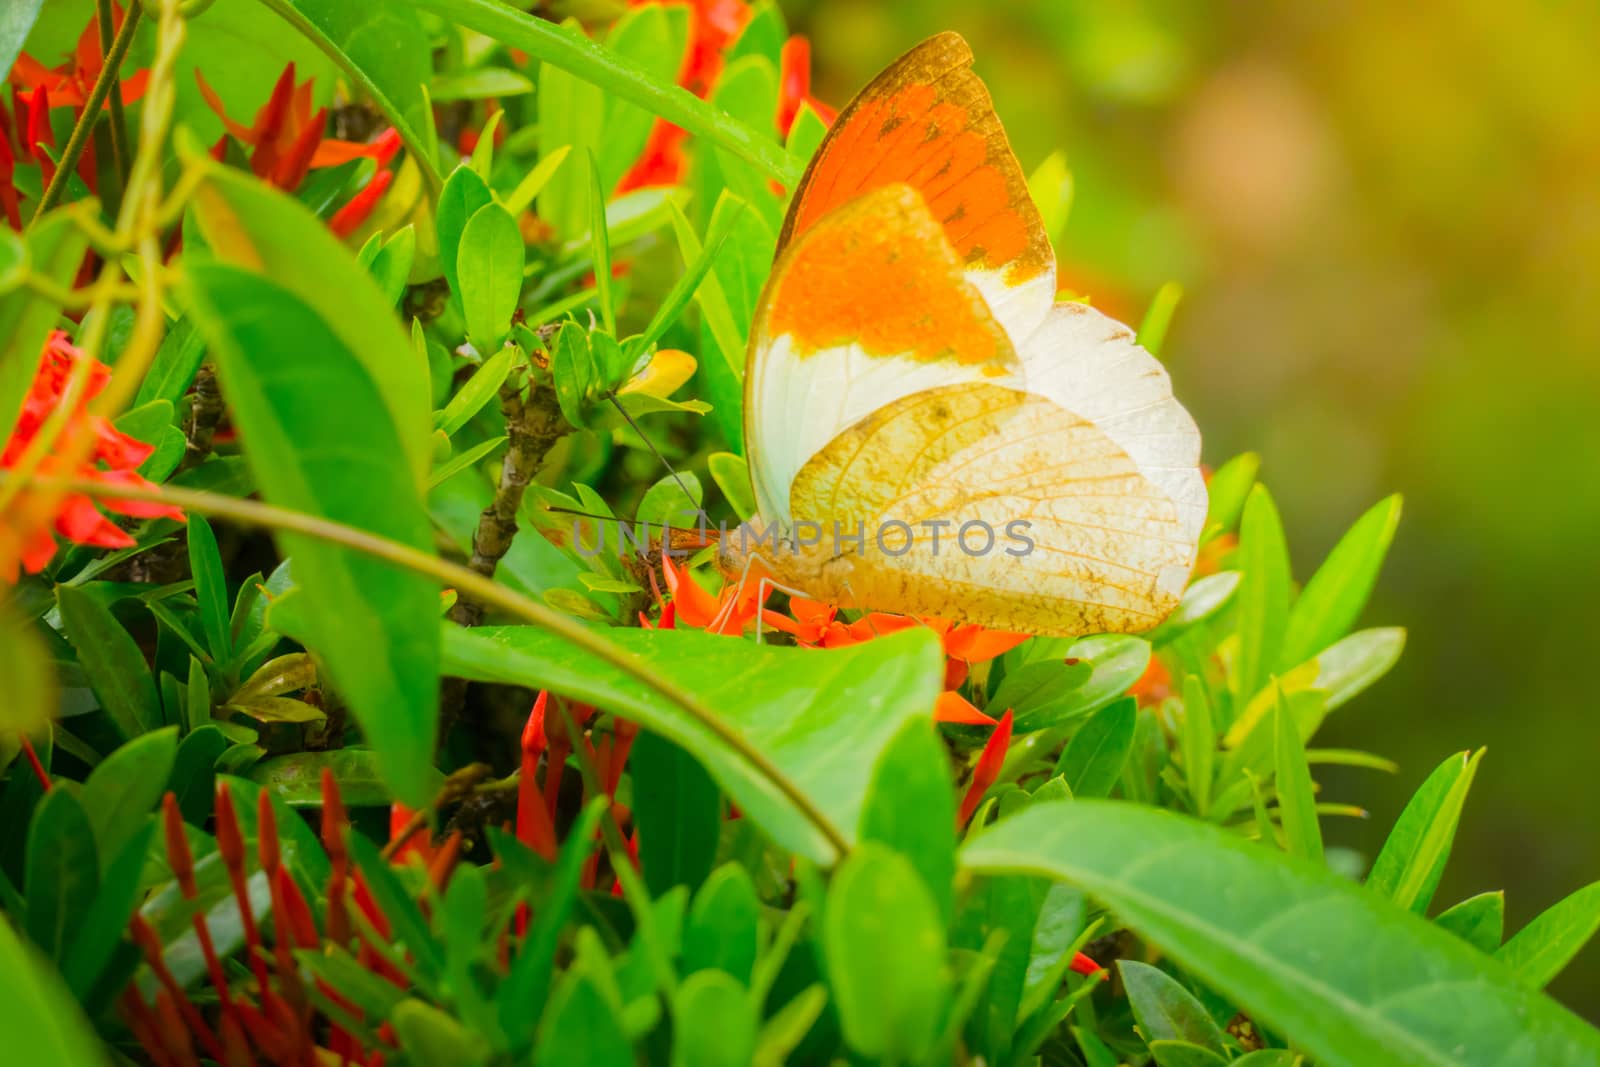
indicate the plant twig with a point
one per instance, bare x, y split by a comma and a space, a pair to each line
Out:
84, 128
255, 513
533, 425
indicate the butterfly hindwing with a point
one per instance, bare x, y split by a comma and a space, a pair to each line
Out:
998, 507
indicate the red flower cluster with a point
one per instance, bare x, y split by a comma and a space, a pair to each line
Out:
814, 624
26, 524
713, 26
288, 139
26, 133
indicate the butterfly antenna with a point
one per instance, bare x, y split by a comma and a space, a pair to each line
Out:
650, 445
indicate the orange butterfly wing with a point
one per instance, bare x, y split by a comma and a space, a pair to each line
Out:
928, 122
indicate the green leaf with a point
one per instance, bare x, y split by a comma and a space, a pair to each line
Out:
1041, 694
572, 366
194, 772
470, 458
30, 681
600, 249
101, 929
252, 226
1203, 599
570, 117
1343, 975
55, 248
1184, 1054
581, 1026
566, 48
678, 813
297, 778
1351, 664
210, 589
391, 266
63, 872
428, 1035
1263, 598
687, 284
535, 180
652, 36
1480, 921
1269, 1057
667, 501
1093, 760
1165, 1010
732, 476
723, 930
485, 83
911, 809
747, 90
111, 658
1199, 740
1539, 951
1297, 801
1056, 934
822, 718
482, 387
318, 440
44, 1026
1336, 593
522, 996
465, 193
1227, 490
996, 922
1051, 188
714, 1023
121, 792
788, 1026
384, 51
1409, 866
489, 266
176, 362
1158, 318
885, 949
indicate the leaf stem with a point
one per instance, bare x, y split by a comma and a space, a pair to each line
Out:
91, 112
254, 513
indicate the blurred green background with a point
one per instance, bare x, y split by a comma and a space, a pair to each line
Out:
1387, 222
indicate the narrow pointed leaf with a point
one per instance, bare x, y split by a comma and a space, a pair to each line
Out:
1343, 975
1539, 951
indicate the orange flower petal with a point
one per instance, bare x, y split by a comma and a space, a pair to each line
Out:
974, 644
696, 607
953, 707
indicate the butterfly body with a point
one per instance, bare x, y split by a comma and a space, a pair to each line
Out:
912, 377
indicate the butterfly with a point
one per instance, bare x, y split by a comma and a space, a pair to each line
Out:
928, 430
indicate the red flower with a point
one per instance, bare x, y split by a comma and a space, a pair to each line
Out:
27, 132
287, 140
987, 769
814, 624
25, 526
70, 84
713, 26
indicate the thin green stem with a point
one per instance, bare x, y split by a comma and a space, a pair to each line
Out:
464, 580
119, 123
91, 111
593, 62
